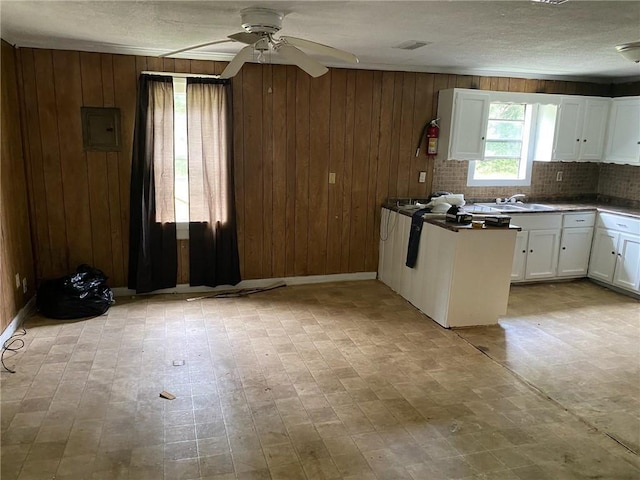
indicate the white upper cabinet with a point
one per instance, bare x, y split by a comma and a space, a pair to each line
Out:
463, 123
580, 128
623, 138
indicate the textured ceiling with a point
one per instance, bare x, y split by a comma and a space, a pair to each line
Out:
574, 40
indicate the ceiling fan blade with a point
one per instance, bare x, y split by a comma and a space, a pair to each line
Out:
194, 47
302, 60
238, 61
245, 37
321, 49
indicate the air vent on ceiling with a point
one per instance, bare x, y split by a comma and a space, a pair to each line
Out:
550, 2
411, 45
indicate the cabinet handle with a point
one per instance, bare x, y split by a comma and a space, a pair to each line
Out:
524, 251
585, 140
619, 254
482, 138
579, 220
530, 251
613, 253
564, 248
622, 225
577, 139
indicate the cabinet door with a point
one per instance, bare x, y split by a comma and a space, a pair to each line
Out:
627, 273
542, 254
568, 129
400, 239
603, 255
623, 138
596, 113
388, 221
471, 112
575, 248
519, 256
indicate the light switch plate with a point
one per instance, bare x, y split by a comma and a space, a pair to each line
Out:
423, 177
332, 177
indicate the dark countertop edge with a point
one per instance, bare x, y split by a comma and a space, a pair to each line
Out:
455, 227
560, 208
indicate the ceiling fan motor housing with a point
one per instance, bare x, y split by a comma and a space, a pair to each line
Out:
261, 20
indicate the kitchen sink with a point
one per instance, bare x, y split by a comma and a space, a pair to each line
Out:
518, 207
535, 206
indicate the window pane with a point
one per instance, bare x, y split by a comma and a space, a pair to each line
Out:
502, 149
504, 130
506, 111
181, 163
501, 169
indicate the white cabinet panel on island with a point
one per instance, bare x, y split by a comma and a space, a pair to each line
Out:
462, 275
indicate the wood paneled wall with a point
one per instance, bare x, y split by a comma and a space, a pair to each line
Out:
290, 132
15, 241
628, 89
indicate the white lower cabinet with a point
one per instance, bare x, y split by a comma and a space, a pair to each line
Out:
627, 273
542, 254
575, 247
536, 253
575, 244
603, 255
615, 253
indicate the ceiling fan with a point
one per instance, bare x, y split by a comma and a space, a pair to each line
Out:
260, 24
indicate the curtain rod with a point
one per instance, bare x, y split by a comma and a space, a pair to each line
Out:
181, 75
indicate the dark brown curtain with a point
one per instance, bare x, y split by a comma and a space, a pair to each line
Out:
153, 262
213, 244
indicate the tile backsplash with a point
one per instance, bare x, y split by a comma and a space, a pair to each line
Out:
619, 184
579, 181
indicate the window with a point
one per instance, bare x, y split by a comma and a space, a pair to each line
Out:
506, 160
180, 145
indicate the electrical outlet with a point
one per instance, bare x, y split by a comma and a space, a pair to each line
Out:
559, 177
17, 280
423, 177
332, 177
24, 285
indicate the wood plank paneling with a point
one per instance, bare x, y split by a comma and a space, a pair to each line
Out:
289, 132
319, 118
301, 233
253, 171
49, 117
16, 256
96, 162
279, 187
336, 165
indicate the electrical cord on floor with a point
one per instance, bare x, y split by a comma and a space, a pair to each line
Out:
7, 346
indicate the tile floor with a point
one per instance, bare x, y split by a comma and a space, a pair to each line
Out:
332, 381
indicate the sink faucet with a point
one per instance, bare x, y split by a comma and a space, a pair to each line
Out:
511, 199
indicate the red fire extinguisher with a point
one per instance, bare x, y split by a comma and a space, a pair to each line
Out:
433, 131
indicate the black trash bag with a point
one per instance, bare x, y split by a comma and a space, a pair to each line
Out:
83, 294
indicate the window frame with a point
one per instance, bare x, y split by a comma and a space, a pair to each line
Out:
528, 148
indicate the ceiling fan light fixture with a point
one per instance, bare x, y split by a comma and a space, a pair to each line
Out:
261, 20
630, 51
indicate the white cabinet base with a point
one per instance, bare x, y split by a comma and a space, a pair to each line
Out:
460, 279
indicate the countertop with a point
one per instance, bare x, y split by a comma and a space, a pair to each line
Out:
559, 207
456, 227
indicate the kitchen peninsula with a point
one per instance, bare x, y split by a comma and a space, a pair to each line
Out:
462, 274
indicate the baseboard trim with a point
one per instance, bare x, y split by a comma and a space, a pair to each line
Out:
263, 282
24, 313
